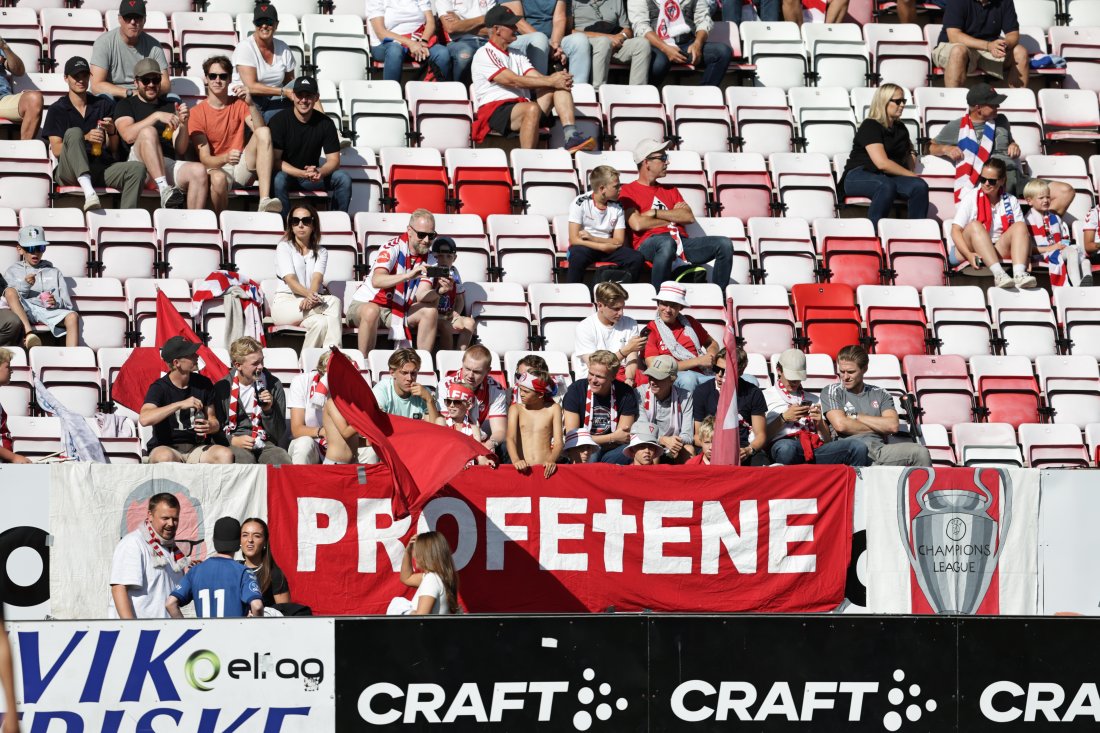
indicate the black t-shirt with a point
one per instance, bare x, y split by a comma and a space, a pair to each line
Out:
626, 403
986, 22
62, 115
894, 139
278, 584
177, 429
750, 401
303, 143
139, 109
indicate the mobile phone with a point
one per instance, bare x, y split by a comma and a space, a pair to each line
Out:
644, 333
434, 271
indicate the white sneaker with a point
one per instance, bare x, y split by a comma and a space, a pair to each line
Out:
1024, 281
92, 202
272, 205
1004, 280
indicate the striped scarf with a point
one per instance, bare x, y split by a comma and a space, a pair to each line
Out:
975, 154
590, 409
402, 295
678, 351
649, 407
217, 283
985, 211
1047, 231
670, 21
255, 415
318, 393
5, 435
178, 561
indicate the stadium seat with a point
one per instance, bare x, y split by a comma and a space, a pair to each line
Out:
1053, 446
15, 396
942, 388
685, 173
987, 444
20, 28
938, 106
366, 178
631, 114
828, 315
1092, 437
850, 251
785, 250
71, 375
838, 55
899, 53
620, 160
935, 439
1022, 112
141, 297
884, 370
758, 367
374, 229
777, 51
468, 232
309, 357
700, 118
1071, 387
283, 363
546, 179
1006, 389
125, 242
1024, 321
70, 247
377, 112
190, 242
416, 179
103, 310
804, 184
1078, 312
502, 314
959, 319
895, 321
762, 120
1043, 13
523, 246
251, 237
706, 226
199, 36
337, 45
190, 91
939, 174
110, 360
825, 119
740, 184
914, 252
338, 237
35, 437
1070, 114
26, 174
441, 113
481, 179
1083, 13
70, 32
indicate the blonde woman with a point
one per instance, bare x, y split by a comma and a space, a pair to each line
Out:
882, 162
435, 577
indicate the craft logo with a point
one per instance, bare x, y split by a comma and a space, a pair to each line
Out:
591, 702
954, 534
1005, 701
697, 701
203, 667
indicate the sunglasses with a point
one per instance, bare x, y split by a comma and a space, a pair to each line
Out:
133, 18
663, 157
988, 181
453, 403
719, 371
900, 101
424, 235
214, 76
264, 22
149, 80
303, 220
34, 249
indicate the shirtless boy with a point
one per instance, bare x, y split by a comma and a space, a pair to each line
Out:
534, 425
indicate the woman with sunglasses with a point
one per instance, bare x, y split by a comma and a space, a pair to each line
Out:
300, 263
264, 64
882, 162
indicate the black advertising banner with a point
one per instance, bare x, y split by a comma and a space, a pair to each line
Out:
679, 674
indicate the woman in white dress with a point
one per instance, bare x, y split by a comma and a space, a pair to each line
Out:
435, 577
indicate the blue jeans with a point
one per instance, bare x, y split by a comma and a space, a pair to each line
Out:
689, 379
788, 451
392, 54
462, 51
580, 258
883, 189
616, 455
716, 60
660, 250
338, 186
270, 106
765, 10
536, 47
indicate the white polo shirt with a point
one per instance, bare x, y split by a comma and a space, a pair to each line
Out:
488, 62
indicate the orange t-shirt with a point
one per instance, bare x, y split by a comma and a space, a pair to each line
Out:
224, 128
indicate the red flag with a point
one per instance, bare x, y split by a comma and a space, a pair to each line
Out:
421, 455
726, 450
145, 365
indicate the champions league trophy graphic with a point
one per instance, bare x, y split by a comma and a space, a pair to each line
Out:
952, 543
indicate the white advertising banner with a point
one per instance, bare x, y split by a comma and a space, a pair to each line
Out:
92, 506
243, 675
24, 540
1069, 542
952, 540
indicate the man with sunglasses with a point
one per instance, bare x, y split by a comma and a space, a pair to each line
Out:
77, 122
217, 131
156, 130
398, 292
989, 225
299, 136
117, 52
969, 131
658, 216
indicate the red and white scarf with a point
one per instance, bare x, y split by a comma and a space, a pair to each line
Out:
590, 408
401, 296
255, 414
5, 435
215, 286
975, 154
173, 557
465, 427
318, 394
807, 434
678, 351
670, 21
1047, 231
985, 211
649, 407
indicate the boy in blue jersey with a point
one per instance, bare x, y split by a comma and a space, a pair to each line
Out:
221, 586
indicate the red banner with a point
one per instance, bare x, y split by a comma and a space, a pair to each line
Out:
589, 538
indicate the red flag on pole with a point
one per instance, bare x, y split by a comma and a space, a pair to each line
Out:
726, 450
145, 365
421, 455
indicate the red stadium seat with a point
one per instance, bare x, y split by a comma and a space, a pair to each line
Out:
830, 320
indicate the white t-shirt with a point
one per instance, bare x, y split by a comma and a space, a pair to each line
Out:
488, 62
1091, 221
596, 221
431, 585
399, 16
464, 9
247, 54
489, 401
147, 585
967, 211
594, 336
289, 261
778, 403
298, 397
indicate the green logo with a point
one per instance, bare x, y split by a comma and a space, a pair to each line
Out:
193, 678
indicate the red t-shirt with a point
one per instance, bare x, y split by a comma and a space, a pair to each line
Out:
696, 460
655, 346
638, 196
224, 128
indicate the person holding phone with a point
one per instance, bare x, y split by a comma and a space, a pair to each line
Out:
797, 433
301, 298
608, 329
250, 405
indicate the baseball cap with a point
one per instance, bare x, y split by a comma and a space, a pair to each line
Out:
305, 85
32, 236
77, 65
227, 535
132, 7
793, 362
146, 66
578, 437
459, 391
265, 11
501, 15
444, 246
642, 433
177, 347
646, 148
663, 367
671, 292
984, 94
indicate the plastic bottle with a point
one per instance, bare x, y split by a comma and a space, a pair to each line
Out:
97, 148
